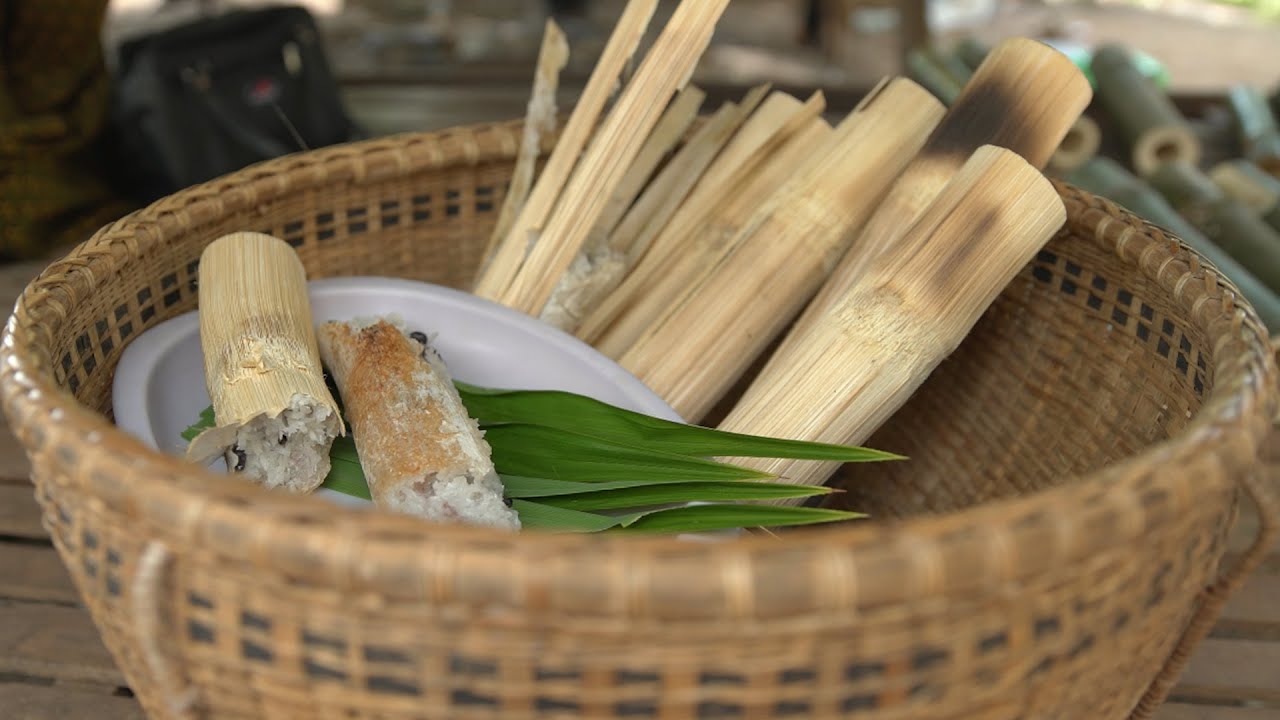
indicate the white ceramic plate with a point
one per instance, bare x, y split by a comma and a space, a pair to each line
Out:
159, 387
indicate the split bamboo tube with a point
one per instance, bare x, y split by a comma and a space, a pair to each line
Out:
1024, 97
590, 271
510, 251
539, 123
634, 305
1106, 178
665, 69
1256, 125
592, 277
1156, 133
841, 378
726, 317
1232, 226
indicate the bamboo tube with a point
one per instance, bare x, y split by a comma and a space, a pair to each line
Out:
1105, 177
842, 378
1247, 183
952, 65
509, 255
539, 122
925, 70
971, 52
1025, 97
1232, 226
727, 317
1079, 145
1259, 136
271, 406
778, 115
1152, 127
665, 69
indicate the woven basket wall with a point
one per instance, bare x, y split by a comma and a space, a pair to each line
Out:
1052, 550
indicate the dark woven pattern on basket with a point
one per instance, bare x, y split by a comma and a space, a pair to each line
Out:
1076, 467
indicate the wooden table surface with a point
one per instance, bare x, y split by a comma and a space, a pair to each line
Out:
53, 666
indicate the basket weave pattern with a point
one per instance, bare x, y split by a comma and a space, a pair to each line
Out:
1075, 468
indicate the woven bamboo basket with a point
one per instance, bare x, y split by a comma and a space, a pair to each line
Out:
1052, 550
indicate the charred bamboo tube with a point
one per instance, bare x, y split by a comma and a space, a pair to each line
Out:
1259, 136
1237, 230
840, 379
1105, 177
1154, 130
1079, 145
1024, 97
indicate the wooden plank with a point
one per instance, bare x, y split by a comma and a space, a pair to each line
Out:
19, 512
1233, 670
34, 572
55, 642
26, 701
1187, 711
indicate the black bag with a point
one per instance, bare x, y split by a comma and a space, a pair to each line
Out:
212, 96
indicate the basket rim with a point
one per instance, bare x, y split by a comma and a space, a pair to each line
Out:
314, 541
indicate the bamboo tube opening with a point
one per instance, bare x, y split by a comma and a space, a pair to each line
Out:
1162, 146
1079, 145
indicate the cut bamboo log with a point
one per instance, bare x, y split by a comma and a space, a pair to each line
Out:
1025, 97
840, 379
1106, 178
633, 302
734, 308
539, 122
1232, 226
510, 253
591, 271
1153, 129
1079, 145
1249, 184
665, 69
1256, 125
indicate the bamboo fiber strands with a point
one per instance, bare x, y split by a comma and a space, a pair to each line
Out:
665, 69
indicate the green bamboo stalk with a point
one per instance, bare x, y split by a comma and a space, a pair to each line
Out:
1248, 184
971, 52
949, 62
1153, 129
1232, 226
923, 68
1259, 135
1105, 177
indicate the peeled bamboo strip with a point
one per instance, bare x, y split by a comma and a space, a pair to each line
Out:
840, 379
714, 238
1024, 97
664, 138
597, 272
510, 253
776, 118
665, 69
726, 318
540, 121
